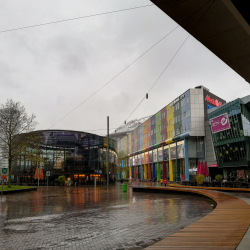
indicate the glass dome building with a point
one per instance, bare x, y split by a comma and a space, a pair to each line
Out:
75, 154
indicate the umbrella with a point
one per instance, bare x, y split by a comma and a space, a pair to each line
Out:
36, 174
41, 174
202, 168
206, 170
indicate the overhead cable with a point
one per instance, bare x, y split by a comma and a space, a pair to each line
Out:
116, 75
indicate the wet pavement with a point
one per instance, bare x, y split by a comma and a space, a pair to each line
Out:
88, 218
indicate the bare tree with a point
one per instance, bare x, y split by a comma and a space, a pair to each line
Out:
15, 128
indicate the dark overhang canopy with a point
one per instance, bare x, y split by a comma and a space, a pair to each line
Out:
220, 25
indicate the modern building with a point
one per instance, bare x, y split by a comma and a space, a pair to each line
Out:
121, 131
171, 142
75, 154
230, 128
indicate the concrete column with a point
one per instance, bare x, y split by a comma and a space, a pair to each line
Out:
225, 174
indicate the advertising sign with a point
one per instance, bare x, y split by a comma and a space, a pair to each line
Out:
160, 156
172, 151
4, 171
136, 162
139, 160
213, 165
103, 154
150, 156
220, 123
142, 158
166, 153
133, 160
213, 101
155, 155
181, 149
146, 158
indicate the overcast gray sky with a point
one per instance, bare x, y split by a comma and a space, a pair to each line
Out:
52, 69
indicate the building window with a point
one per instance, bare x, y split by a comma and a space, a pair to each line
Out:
187, 99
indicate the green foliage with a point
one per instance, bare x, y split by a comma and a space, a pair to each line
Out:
200, 178
218, 177
5, 188
61, 179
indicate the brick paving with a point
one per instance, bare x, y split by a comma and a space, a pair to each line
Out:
85, 218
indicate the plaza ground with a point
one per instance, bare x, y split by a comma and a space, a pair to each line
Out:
89, 218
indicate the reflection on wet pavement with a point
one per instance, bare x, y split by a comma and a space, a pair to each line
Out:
88, 218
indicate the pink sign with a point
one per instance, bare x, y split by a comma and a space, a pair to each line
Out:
146, 158
220, 123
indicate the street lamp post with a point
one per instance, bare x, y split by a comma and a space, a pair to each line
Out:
107, 151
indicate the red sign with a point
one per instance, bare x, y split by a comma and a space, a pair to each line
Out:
212, 101
214, 165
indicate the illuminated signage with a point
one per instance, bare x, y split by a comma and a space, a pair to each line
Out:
209, 106
213, 101
214, 165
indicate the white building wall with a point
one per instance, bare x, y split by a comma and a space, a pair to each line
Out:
197, 112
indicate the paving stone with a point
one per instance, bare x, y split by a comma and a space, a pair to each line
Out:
94, 219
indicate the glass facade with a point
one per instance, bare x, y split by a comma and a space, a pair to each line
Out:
232, 145
77, 155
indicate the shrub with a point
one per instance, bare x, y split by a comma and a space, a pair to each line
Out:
218, 177
61, 179
200, 178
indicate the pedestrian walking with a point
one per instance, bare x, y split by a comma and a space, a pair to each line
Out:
161, 182
165, 182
